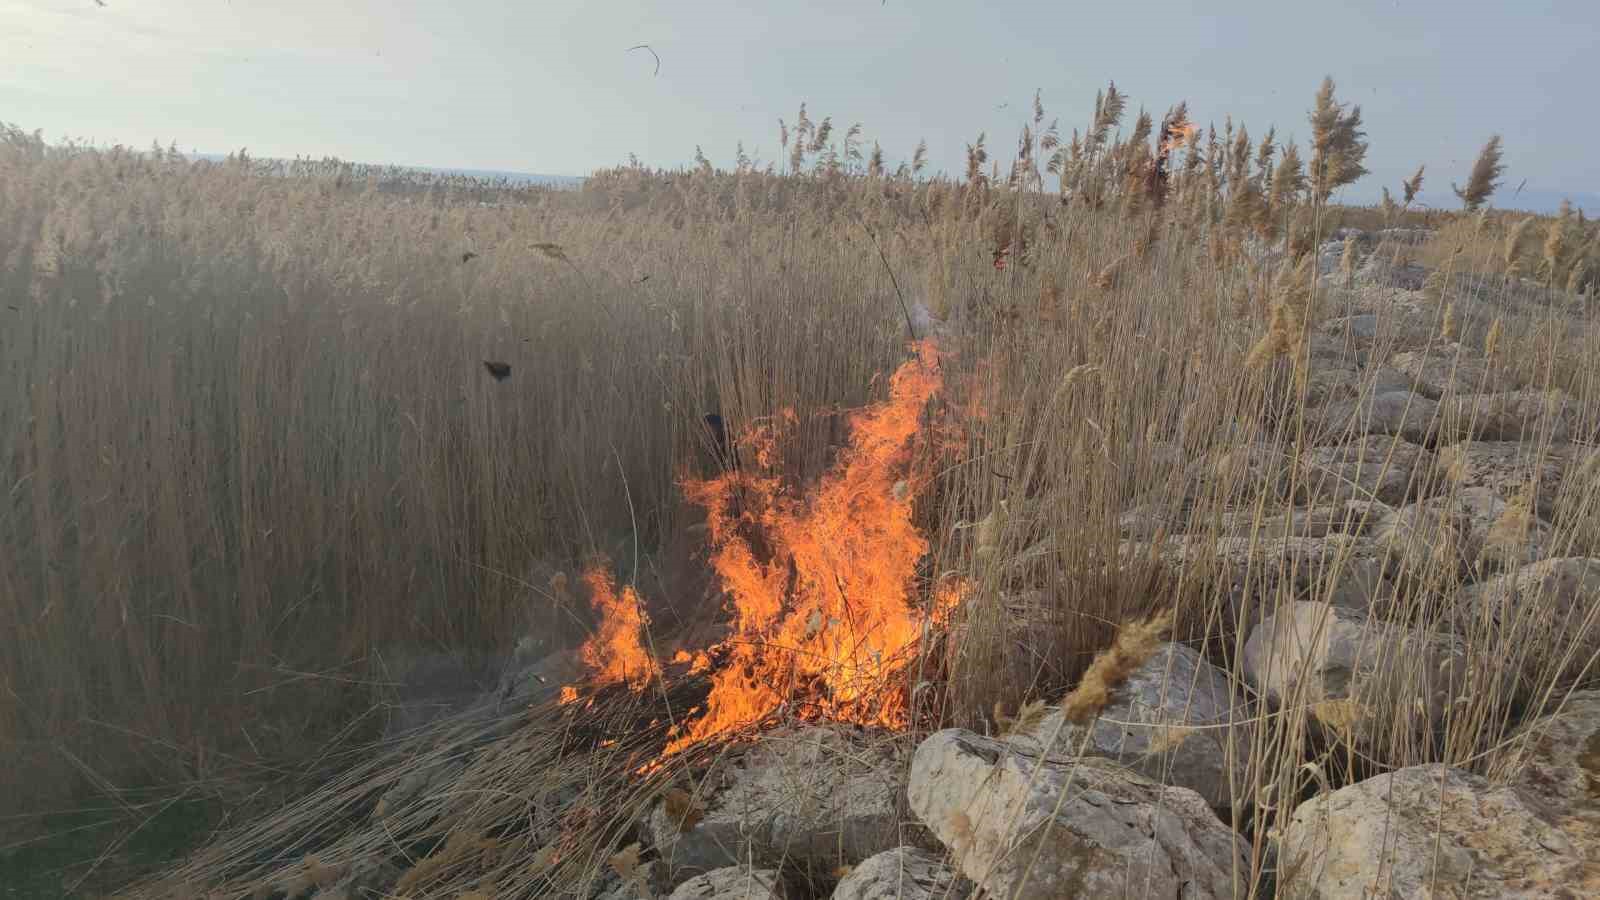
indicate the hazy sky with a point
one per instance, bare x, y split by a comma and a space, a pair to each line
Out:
547, 87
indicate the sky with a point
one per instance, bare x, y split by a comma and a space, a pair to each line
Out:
551, 88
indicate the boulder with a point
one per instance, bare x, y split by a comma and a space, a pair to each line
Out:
1435, 831
1327, 383
1468, 532
1447, 369
1407, 237
1240, 473
815, 796
1545, 611
1341, 569
1344, 665
1252, 574
1020, 825
1176, 720
1389, 470
1349, 518
1508, 468
1403, 413
1147, 521
904, 873
1328, 256
1556, 766
1527, 415
732, 883
1387, 328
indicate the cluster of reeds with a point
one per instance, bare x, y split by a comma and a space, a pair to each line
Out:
248, 444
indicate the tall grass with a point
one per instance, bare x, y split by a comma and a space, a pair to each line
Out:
249, 445
248, 437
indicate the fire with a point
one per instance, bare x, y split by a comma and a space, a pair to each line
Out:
697, 662
1176, 136
822, 586
615, 654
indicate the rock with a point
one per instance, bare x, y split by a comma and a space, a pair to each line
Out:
1328, 256
1386, 469
1344, 665
1401, 413
1341, 569
1349, 517
1363, 327
1385, 328
1513, 416
1406, 237
1447, 369
1149, 520
1433, 831
1504, 535
1334, 351
1507, 468
1175, 720
904, 873
1344, 518
1236, 474
1115, 833
1543, 610
818, 796
1327, 383
1557, 766
1251, 575
632, 889
1380, 269
732, 883
1465, 533
1578, 504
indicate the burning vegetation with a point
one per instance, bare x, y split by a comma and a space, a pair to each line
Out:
616, 653
822, 583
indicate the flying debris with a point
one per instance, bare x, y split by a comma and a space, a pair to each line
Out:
501, 371
652, 53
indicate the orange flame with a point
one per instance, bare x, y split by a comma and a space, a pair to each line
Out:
615, 654
822, 587
1177, 136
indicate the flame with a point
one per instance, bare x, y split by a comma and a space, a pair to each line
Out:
614, 654
822, 586
1177, 135
697, 662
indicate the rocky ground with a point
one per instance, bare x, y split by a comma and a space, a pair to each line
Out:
1422, 489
